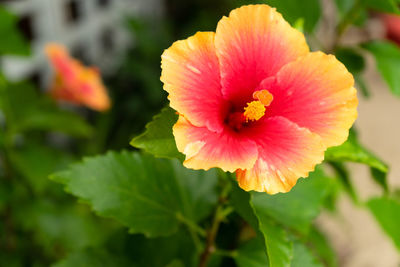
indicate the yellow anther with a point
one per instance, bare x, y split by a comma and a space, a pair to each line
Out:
254, 111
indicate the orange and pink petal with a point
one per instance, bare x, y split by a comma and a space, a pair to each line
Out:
60, 60
286, 152
93, 93
74, 82
205, 149
316, 92
190, 73
253, 43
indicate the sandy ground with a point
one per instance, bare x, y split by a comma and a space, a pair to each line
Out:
354, 233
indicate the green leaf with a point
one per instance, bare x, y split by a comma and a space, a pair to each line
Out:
137, 250
16, 100
344, 6
175, 263
158, 138
63, 227
14, 43
161, 251
150, 196
252, 254
37, 162
297, 208
299, 24
362, 85
380, 178
353, 151
321, 247
302, 256
279, 246
310, 11
343, 174
390, 6
387, 57
355, 63
353, 14
93, 258
387, 213
25, 110
50, 118
330, 202
351, 58
240, 200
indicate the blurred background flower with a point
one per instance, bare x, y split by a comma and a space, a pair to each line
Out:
74, 82
391, 24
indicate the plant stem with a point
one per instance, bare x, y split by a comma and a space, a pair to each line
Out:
348, 19
220, 214
211, 235
194, 230
191, 225
226, 253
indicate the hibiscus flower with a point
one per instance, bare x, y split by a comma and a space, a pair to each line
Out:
74, 82
253, 99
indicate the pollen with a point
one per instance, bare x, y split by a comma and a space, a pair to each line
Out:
254, 111
264, 97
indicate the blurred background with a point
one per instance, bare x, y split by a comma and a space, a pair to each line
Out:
125, 39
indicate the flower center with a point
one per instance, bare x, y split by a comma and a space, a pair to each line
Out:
254, 110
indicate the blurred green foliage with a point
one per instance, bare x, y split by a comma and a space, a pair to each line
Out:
387, 211
14, 43
387, 56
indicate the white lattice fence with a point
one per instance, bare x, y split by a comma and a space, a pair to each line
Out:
92, 29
